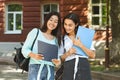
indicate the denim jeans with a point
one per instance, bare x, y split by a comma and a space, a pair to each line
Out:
33, 72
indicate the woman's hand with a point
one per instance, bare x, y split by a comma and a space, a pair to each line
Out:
56, 62
36, 56
71, 51
39, 56
89, 52
77, 42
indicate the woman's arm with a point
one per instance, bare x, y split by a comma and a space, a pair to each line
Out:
89, 52
26, 49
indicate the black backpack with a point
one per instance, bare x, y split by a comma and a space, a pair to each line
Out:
20, 60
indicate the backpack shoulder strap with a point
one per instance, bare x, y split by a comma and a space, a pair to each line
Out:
35, 39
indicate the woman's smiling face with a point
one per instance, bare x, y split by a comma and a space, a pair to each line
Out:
52, 22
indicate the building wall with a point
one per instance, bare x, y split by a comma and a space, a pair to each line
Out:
1, 20
79, 7
32, 18
32, 15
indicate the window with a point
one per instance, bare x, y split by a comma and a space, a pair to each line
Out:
48, 8
14, 19
98, 14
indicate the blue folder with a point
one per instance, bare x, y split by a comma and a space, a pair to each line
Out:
86, 36
49, 51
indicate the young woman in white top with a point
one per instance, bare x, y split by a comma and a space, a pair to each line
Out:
76, 67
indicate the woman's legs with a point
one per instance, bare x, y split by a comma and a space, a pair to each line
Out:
83, 72
33, 72
44, 73
68, 72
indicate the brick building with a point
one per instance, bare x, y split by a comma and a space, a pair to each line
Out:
18, 17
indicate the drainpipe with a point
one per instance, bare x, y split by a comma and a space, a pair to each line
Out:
107, 40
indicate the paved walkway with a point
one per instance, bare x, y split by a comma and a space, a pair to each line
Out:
9, 72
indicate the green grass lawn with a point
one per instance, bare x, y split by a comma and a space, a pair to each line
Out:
113, 69
95, 66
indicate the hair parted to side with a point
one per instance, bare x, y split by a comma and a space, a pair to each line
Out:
75, 18
56, 32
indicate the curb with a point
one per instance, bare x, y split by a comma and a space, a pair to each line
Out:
104, 76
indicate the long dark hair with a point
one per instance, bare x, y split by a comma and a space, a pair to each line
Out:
75, 18
57, 31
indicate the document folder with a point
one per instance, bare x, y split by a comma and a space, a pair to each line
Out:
86, 36
49, 51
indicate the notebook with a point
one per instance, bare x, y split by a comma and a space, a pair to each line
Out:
49, 51
86, 36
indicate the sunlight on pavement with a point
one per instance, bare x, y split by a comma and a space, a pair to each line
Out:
9, 72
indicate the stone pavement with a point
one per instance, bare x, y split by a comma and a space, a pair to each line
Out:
9, 72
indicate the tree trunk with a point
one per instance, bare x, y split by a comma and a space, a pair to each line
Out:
115, 25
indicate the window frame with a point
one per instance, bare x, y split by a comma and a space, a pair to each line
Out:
42, 13
14, 31
100, 16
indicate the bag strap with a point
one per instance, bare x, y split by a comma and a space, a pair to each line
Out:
32, 45
35, 39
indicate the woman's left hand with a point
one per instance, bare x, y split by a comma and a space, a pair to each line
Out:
56, 62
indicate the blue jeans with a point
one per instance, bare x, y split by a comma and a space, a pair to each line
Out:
33, 72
